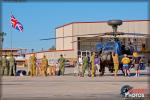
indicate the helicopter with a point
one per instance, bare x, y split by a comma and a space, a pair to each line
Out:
113, 44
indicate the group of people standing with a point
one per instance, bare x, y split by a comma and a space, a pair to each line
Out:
135, 62
87, 63
8, 67
96, 62
35, 67
90, 64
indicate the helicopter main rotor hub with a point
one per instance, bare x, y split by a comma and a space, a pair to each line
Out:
115, 24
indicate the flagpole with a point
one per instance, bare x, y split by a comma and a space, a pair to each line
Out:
11, 39
17, 26
11, 36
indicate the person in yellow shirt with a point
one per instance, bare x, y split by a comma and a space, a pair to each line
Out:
116, 62
125, 61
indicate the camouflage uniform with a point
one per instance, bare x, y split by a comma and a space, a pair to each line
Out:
44, 65
85, 65
33, 65
62, 64
12, 67
5, 66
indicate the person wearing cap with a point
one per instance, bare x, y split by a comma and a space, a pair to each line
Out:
136, 61
92, 60
44, 65
33, 65
61, 61
125, 61
12, 69
5, 65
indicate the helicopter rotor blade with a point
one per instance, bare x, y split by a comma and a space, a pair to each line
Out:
136, 34
48, 39
100, 35
69, 36
107, 34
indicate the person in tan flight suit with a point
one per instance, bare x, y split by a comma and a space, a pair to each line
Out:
33, 65
44, 65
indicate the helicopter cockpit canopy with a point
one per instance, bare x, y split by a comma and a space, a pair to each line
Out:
107, 46
110, 46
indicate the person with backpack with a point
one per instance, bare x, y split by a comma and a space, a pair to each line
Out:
125, 61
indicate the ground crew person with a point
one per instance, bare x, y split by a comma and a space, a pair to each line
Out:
125, 60
61, 61
5, 67
97, 63
80, 63
116, 62
92, 60
141, 64
44, 65
32, 65
85, 65
89, 66
12, 67
136, 61
38, 68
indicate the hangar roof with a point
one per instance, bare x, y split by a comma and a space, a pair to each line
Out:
98, 22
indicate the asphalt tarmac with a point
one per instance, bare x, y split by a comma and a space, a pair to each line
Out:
69, 87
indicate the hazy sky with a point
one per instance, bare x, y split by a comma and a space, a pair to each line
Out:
40, 19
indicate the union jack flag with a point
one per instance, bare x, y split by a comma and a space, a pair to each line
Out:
15, 24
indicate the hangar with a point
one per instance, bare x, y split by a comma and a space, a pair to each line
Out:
82, 28
78, 31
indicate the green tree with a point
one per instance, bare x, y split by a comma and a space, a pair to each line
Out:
2, 34
52, 48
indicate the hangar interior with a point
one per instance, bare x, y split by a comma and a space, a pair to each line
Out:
90, 43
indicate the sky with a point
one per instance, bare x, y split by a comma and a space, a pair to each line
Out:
40, 19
